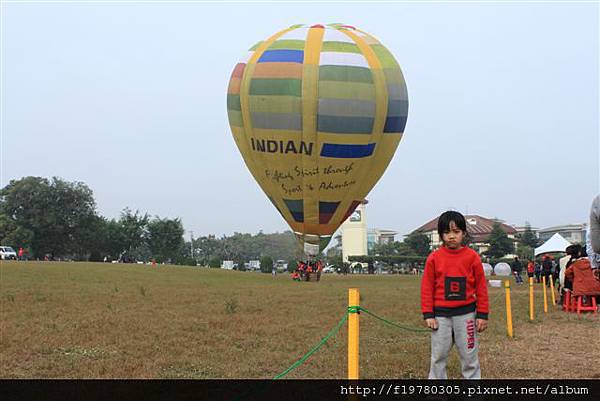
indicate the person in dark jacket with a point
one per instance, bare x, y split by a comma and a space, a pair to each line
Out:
517, 268
547, 269
556, 273
574, 251
538, 272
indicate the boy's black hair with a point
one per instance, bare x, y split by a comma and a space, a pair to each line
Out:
449, 216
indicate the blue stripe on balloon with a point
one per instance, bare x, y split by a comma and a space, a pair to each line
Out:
394, 124
298, 216
328, 207
296, 208
347, 151
282, 56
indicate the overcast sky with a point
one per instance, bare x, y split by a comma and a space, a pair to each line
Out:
131, 99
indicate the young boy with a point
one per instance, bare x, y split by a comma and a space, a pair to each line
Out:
454, 299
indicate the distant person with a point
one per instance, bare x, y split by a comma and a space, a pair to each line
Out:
319, 269
594, 257
517, 268
309, 270
301, 269
584, 282
538, 271
454, 299
555, 272
530, 268
595, 225
21, 253
563, 264
547, 269
574, 252
370, 267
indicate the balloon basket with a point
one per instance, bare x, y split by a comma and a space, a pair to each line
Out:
314, 276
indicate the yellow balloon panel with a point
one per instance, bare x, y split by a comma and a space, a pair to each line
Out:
317, 113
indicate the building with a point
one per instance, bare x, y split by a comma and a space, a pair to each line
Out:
478, 227
574, 233
379, 237
522, 229
354, 233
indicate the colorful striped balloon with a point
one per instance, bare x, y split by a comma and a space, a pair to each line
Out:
317, 113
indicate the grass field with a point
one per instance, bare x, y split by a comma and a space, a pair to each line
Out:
94, 320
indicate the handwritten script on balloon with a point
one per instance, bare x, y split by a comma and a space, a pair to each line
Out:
288, 179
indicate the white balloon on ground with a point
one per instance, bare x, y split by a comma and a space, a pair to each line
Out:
502, 269
487, 269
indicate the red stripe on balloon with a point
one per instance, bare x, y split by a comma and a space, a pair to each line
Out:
238, 71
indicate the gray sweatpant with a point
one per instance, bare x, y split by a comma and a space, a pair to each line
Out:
462, 331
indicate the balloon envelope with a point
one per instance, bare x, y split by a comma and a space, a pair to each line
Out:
502, 269
487, 269
317, 113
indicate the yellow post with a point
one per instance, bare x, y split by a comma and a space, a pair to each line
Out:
545, 295
353, 330
552, 291
531, 305
509, 325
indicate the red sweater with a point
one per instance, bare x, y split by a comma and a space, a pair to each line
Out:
454, 284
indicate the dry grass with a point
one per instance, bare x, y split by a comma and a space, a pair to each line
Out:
87, 320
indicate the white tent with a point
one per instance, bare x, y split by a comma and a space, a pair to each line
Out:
556, 243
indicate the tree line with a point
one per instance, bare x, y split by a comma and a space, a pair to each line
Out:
53, 218
58, 219
242, 247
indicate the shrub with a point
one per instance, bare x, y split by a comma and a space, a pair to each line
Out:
266, 264
240, 265
215, 262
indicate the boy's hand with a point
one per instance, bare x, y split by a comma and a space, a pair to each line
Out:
431, 323
481, 325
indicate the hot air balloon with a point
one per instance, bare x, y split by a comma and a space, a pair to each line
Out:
317, 113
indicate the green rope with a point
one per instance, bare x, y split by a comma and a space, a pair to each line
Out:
415, 329
314, 349
353, 309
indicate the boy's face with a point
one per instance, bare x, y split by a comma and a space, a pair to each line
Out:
453, 237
